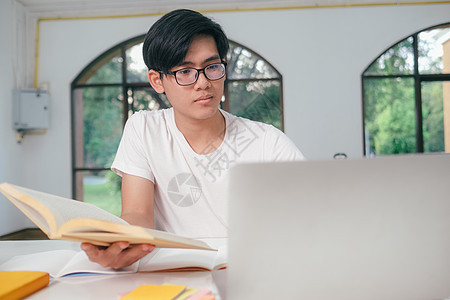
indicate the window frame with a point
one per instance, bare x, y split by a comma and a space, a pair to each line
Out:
418, 79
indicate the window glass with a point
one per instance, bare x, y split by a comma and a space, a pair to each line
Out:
396, 61
253, 87
136, 68
433, 116
241, 63
107, 70
256, 100
97, 125
101, 188
389, 116
148, 99
434, 47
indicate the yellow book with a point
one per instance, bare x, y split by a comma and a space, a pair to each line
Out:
19, 284
193, 294
66, 219
155, 292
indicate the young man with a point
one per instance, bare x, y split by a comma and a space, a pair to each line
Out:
174, 162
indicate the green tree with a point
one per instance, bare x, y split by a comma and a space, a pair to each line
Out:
102, 116
389, 113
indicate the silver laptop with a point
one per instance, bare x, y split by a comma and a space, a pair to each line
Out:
375, 228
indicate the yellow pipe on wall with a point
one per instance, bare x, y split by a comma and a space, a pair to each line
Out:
36, 57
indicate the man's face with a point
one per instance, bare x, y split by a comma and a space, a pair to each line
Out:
200, 100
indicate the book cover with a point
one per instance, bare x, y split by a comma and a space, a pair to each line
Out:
19, 284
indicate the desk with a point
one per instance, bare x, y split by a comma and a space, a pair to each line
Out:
107, 286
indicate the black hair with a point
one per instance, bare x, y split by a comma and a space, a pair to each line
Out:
168, 40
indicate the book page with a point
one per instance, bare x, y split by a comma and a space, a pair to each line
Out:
47, 261
176, 259
33, 214
59, 263
80, 264
173, 259
221, 244
64, 209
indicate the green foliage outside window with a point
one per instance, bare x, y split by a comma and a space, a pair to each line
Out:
433, 116
389, 115
102, 123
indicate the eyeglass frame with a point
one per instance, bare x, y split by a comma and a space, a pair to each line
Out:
174, 73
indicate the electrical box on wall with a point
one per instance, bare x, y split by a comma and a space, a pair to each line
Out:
30, 110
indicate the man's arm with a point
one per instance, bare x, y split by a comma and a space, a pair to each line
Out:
137, 209
138, 201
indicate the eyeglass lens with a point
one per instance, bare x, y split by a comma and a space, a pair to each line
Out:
189, 75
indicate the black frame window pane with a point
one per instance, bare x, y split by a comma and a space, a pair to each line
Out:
398, 60
101, 188
136, 69
98, 125
245, 64
434, 51
389, 116
433, 116
108, 70
256, 100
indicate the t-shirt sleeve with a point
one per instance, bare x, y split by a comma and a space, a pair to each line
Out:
278, 146
131, 157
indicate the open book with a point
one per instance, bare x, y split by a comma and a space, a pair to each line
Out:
67, 219
64, 260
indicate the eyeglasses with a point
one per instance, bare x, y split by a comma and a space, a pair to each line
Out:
189, 76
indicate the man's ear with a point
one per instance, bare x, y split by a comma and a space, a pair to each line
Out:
154, 77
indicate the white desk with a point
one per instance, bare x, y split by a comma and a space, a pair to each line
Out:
107, 286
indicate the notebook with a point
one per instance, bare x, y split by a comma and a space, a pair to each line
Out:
375, 228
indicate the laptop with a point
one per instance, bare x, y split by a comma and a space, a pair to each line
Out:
375, 228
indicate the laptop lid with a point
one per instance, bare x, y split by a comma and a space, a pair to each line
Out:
375, 228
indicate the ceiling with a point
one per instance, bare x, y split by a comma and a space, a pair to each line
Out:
103, 7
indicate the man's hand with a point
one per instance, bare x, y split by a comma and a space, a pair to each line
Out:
118, 255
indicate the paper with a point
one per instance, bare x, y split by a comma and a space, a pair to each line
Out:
155, 292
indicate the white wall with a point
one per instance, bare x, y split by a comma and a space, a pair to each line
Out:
320, 53
11, 153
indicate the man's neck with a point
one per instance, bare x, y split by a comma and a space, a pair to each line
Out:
204, 136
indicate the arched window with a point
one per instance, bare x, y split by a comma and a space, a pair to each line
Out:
406, 96
115, 85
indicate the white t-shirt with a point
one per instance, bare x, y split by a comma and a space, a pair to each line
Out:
190, 188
